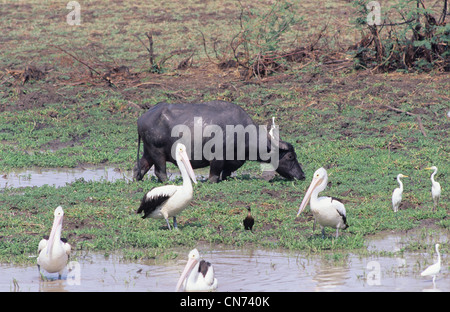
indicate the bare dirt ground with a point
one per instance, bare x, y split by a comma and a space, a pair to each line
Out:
106, 53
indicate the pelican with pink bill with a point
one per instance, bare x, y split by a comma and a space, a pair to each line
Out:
198, 275
54, 251
327, 211
169, 200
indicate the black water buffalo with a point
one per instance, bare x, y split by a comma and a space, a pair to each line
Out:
218, 134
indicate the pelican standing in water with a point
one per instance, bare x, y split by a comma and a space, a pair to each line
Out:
435, 187
327, 211
197, 275
54, 251
433, 269
169, 200
397, 194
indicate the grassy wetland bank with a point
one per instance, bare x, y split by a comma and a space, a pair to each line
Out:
70, 96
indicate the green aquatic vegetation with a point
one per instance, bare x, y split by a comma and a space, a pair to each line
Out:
337, 119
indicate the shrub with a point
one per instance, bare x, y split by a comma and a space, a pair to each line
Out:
418, 42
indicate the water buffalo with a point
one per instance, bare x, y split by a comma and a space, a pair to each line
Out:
218, 134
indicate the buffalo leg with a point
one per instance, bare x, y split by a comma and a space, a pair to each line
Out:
230, 167
215, 170
142, 168
160, 170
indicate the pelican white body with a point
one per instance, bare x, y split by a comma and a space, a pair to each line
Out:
327, 211
198, 275
180, 198
169, 200
54, 252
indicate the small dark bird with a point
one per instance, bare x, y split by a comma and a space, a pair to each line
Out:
249, 221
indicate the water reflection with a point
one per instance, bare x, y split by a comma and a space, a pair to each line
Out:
330, 277
59, 177
236, 270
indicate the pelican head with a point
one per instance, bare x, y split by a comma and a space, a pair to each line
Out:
181, 155
318, 183
193, 259
56, 228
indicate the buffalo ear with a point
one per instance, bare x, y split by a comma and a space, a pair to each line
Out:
283, 145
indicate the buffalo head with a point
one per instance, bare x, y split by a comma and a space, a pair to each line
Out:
288, 166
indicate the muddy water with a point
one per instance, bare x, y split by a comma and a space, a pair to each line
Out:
61, 176
241, 270
236, 270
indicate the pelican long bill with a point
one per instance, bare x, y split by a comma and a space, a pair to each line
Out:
187, 269
56, 228
187, 164
314, 183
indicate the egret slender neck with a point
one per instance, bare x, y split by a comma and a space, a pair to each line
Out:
400, 183
432, 175
439, 255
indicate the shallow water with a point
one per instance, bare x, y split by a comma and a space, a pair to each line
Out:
252, 270
61, 176
240, 270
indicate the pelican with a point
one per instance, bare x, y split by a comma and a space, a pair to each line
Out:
169, 200
54, 251
433, 269
327, 211
435, 187
197, 275
397, 194
249, 220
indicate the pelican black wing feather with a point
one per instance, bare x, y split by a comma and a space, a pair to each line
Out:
148, 205
203, 267
337, 199
344, 217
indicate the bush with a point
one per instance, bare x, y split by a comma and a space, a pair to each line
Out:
418, 42
255, 48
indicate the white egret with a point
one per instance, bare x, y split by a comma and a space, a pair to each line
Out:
198, 275
435, 187
169, 200
327, 211
54, 251
433, 269
274, 131
397, 194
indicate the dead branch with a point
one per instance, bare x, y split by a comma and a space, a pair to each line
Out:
148, 83
150, 50
204, 47
77, 59
418, 118
107, 79
444, 13
151, 57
